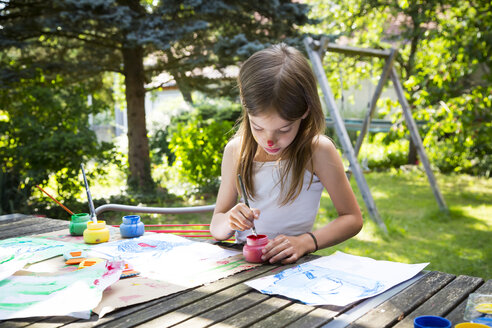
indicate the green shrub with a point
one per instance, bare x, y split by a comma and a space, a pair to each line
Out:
198, 147
194, 141
460, 134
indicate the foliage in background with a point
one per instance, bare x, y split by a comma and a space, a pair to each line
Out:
44, 131
193, 41
444, 57
194, 141
197, 146
376, 154
460, 137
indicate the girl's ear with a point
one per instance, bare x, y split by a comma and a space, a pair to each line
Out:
305, 114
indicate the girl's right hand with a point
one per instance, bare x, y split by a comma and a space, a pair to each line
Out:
241, 217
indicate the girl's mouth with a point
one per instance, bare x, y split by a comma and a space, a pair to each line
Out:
272, 150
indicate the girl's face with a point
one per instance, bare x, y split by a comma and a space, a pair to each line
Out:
272, 133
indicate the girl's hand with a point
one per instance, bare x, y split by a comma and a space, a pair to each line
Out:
241, 217
287, 249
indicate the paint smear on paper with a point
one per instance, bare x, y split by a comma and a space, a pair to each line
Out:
72, 294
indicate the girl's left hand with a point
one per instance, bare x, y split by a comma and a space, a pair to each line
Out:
287, 249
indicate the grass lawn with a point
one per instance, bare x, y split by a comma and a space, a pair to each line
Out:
459, 242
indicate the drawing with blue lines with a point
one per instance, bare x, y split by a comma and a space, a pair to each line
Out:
339, 279
165, 257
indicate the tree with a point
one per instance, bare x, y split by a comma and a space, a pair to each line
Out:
444, 57
83, 38
42, 134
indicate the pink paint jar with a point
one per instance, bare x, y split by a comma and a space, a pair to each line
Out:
252, 250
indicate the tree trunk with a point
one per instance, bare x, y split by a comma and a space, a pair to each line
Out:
140, 178
412, 153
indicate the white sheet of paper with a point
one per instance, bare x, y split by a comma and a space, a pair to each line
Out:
167, 257
338, 279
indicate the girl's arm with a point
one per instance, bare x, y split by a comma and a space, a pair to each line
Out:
329, 168
229, 215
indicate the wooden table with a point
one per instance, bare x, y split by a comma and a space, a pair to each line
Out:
230, 303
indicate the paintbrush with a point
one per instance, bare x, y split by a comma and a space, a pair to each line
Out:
246, 201
66, 209
89, 197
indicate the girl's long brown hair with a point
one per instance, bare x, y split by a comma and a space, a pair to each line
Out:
280, 79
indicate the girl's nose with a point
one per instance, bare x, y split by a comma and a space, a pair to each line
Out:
270, 143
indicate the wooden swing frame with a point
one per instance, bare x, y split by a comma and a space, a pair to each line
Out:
316, 51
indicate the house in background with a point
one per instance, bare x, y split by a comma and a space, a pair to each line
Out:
166, 101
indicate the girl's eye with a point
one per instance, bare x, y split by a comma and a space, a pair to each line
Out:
284, 131
257, 129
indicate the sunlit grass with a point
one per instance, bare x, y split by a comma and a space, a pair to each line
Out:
457, 242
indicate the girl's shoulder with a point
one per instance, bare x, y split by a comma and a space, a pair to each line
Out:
233, 147
326, 158
323, 143
324, 150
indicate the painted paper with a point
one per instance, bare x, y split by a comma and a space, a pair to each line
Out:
15, 253
338, 279
73, 294
167, 264
134, 290
168, 258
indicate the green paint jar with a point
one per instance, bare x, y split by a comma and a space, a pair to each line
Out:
79, 223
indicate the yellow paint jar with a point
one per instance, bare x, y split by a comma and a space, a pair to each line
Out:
96, 232
470, 325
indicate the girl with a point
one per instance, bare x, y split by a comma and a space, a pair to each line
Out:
285, 162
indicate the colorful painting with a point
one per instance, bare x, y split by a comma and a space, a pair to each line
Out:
339, 279
169, 258
167, 264
74, 294
15, 253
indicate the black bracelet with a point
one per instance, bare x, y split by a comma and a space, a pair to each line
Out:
315, 241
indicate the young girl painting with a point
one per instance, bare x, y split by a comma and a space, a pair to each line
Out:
285, 162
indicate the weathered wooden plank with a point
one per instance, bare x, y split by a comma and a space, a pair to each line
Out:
209, 302
149, 312
285, 317
18, 323
12, 217
26, 221
444, 300
314, 319
43, 225
224, 311
255, 313
199, 308
52, 322
456, 315
389, 312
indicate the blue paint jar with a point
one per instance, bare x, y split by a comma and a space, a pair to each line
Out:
131, 226
79, 223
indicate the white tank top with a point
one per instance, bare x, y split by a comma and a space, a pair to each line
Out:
292, 219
